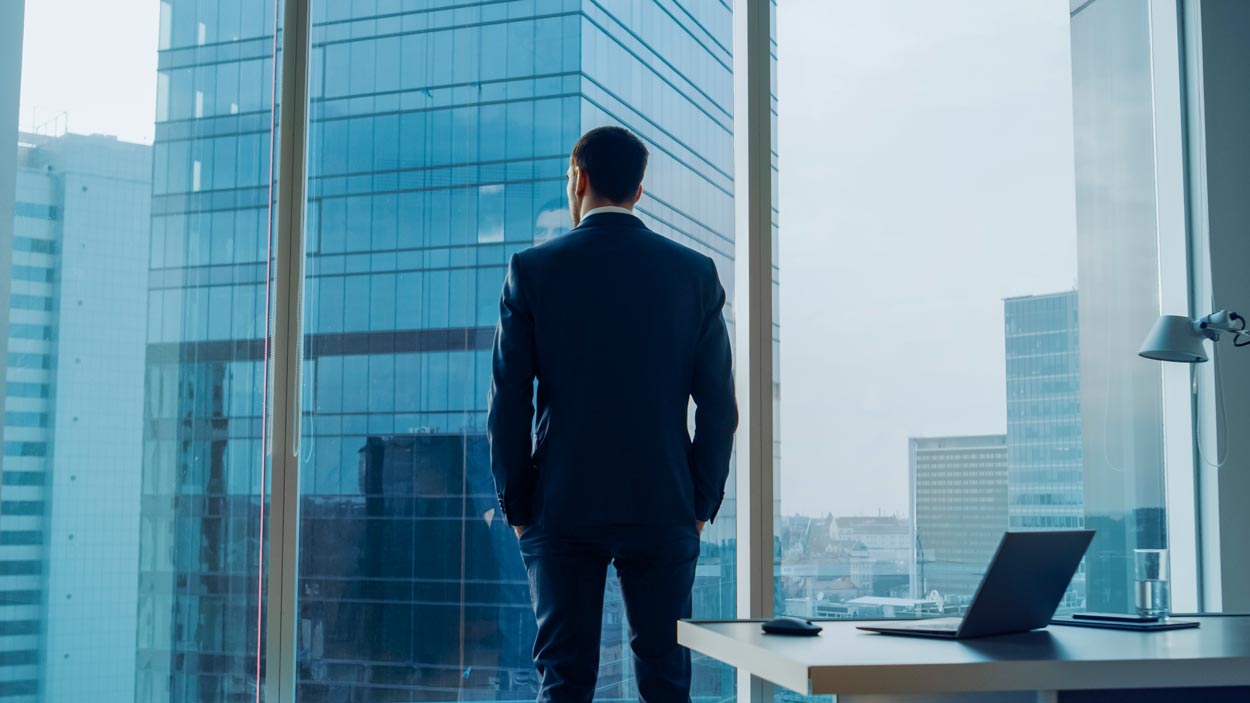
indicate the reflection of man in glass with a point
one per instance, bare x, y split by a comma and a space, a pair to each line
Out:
621, 328
515, 618
551, 221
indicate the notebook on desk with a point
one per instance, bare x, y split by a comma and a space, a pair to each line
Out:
1138, 626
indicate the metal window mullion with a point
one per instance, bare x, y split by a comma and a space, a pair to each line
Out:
283, 522
1206, 487
753, 318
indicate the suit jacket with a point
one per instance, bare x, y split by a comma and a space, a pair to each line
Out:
620, 327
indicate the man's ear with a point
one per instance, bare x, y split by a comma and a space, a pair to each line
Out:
637, 195
583, 181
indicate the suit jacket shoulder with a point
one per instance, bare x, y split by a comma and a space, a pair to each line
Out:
657, 247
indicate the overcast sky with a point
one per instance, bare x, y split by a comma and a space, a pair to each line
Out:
84, 58
926, 174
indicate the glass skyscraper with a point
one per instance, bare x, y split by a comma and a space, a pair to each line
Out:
1045, 468
1044, 484
439, 138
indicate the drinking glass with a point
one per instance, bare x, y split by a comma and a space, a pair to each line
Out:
1151, 570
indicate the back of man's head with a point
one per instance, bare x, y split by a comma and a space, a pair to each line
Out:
614, 160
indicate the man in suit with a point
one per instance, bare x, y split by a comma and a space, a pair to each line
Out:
621, 328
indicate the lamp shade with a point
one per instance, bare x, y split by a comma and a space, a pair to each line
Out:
1174, 338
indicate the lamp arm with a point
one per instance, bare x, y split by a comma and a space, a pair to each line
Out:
1221, 321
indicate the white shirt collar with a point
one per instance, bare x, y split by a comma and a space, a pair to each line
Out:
608, 208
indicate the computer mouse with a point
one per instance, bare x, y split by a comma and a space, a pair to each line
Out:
789, 625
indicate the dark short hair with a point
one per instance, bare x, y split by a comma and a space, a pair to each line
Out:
614, 160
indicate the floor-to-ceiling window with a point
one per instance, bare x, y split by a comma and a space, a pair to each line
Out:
132, 507
207, 385
439, 140
968, 249
929, 304
1118, 268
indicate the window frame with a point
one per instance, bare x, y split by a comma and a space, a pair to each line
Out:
753, 319
753, 303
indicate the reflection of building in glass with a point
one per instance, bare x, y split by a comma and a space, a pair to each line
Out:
72, 419
959, 505
439, 140
392, 572
1045, 483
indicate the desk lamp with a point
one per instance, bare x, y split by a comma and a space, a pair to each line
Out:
1178, 338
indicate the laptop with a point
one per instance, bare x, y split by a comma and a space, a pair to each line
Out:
1020, 591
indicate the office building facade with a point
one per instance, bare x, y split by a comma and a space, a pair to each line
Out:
1044, 455
959, 509
72, 419
1045, 465
439, 138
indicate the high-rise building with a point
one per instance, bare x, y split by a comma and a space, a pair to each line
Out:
959, 508
1044, 482
438, 143
1045, 476
73, 407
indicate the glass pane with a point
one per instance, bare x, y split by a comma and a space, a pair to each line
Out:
438, 146
135, 327
1117, 245
962, 306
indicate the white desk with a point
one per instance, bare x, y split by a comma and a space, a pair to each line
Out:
853, 663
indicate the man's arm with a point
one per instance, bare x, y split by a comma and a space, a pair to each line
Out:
511, 416
716, 414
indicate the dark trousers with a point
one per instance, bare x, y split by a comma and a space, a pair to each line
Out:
567, 574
